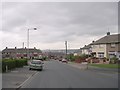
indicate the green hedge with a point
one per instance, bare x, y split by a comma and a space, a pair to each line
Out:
11, 64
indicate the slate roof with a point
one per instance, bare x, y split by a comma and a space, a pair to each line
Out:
115, 38
86, 46
21, 50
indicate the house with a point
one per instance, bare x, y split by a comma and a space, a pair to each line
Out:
86, 49
21, 53
0, 55
77, 52
107, 46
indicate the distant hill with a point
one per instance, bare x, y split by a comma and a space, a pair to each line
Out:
63, 51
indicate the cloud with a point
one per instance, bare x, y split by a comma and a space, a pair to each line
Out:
57, 22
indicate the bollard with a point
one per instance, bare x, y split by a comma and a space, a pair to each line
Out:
90, 61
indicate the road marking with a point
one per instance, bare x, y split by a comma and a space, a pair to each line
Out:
26, 81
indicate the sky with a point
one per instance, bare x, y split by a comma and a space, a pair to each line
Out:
79, 23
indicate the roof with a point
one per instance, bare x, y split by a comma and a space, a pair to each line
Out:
21, 50
108, 39
86, 46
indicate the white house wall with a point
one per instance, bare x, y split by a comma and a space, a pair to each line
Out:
85, 51
99, 48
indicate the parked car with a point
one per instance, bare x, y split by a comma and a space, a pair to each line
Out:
64, 61
36, 64
60, 59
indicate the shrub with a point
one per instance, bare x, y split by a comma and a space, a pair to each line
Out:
78, 59
12, 63
114, 60
84, 56
70, 57
44, 58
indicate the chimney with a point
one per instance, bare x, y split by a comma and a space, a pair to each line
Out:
108, 33
25, 47
15, 47
93, 41
34, 47
6, 48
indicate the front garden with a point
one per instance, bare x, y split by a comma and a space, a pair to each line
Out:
93, 61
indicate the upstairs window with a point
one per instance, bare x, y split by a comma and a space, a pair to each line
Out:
113, 45
101, 46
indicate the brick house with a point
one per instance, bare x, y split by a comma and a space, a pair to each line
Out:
21, 53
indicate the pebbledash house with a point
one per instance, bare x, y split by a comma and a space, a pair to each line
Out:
107, 46
17, 53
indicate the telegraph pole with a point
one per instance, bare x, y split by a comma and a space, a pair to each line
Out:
23, 45
66, 47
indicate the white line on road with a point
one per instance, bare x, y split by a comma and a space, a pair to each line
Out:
26, 80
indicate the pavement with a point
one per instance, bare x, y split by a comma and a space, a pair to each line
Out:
92, 68
0, 81
15, 78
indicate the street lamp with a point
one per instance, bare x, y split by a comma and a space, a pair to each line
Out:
66, 47
28, 40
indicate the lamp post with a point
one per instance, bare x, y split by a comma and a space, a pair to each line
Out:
28, 40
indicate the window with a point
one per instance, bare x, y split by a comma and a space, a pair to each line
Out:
101, 46
94, 46
112, 45
101, 54
36, 62
112, 54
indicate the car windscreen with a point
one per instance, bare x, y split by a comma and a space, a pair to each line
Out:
36, 62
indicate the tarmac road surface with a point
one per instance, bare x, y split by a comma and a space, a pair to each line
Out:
60, 75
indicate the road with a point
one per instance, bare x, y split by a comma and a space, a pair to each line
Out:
61, 75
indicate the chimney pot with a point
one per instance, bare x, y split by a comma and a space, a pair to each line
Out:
108, 33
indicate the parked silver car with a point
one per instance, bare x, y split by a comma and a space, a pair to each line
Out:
36, 64
64, 60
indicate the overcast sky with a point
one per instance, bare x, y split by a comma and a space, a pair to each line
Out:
79, 23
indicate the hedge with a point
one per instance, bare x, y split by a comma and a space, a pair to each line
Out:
12, 64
